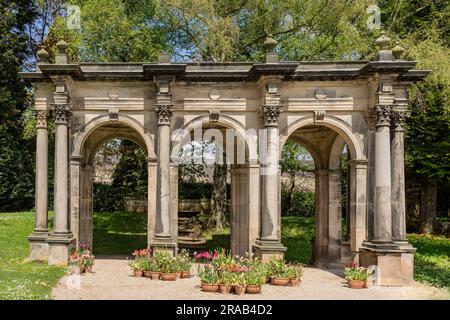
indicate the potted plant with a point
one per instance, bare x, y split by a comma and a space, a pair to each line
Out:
137, 266
239, 283
139, 262
153, 269
209, 280
356, 276
87, 259
254, 280
185, 264
278, 274
294, 273
167, 266
226, 281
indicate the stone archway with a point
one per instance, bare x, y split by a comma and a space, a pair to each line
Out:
244, 170
85, 146
325, 140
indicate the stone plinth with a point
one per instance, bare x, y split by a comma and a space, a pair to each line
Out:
38, 246
59, 249
394, 266
266, 250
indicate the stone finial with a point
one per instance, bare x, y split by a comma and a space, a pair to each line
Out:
61, 55
270, 44
42, 55
398, 52
62, 46
383, 54
163, 57
383, 41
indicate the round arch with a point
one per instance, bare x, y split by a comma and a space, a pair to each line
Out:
224, 120
353, 141
82, 136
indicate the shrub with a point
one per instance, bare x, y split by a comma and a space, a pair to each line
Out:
209, 276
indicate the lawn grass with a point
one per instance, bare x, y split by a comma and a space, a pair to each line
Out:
432, 259
19, 279
119, 233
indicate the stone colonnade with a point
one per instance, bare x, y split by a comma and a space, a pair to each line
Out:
364, 109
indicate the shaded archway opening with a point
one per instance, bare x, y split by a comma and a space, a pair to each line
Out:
329, 224
119, 198
113, 184
213, 177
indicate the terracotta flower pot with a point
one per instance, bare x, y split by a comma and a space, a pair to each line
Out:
225, 288
239, 289
169, 276
356, 284
278, 281
147, 274
253, 289
89, 269
295, 282
185, 275
138, 273
82, 269
154, 275
208, 287
367, 284
178, 273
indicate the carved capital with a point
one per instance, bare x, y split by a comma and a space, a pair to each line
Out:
41, 119
164, 112
270, 114
398, 119
61, 113
382, 115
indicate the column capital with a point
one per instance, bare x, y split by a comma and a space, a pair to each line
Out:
381, 115
398, 118
41, 118
164, 112
61, 112
270, 114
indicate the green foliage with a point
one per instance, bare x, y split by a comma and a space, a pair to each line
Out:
20, 279
432, 259
209, 276
112, 31
235, 30
357, 273
301, 203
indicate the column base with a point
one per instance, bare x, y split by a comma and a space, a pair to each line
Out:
164, 244
38, 245
60, 246
268, 249
394, 263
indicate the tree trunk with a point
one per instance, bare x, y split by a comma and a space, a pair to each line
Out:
290, 207
219, 197
428, 205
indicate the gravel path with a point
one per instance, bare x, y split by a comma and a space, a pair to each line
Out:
112, 279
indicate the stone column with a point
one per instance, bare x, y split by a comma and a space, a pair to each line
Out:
38, 245
398, 178
151, 198
163, 239
269, 243
61, 236
383, 213
321, 224
334, 216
